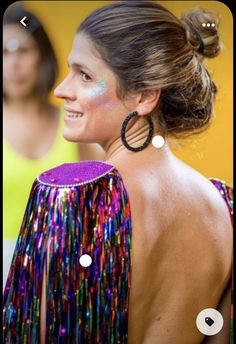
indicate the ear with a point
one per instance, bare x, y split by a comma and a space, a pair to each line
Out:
147, 101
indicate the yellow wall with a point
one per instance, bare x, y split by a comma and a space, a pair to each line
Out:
211, 152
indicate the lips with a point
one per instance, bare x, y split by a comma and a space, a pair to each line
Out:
73, 114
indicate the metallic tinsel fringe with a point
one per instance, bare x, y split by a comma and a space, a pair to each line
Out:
84, 304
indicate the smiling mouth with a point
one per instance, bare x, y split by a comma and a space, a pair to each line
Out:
74, 114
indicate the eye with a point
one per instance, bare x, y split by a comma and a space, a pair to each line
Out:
85, 76
24, 50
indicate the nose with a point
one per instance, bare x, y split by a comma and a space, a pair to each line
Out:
66, 89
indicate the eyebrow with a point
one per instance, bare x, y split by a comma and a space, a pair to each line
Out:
77, 65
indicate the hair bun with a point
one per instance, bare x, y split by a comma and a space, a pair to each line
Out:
202, 31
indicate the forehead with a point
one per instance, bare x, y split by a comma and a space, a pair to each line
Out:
85, 53
14, 31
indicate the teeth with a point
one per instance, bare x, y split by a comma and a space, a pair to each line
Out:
74, 115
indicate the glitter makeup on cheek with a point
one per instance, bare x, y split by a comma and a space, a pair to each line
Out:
101, 96
97, 90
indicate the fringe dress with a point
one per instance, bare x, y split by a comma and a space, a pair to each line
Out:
77, 227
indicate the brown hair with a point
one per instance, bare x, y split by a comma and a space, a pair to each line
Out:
147, 47
48, 68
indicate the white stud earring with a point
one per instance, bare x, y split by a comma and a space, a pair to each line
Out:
158, 141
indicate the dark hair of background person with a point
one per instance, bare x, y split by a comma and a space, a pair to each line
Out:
48, 68
147, 47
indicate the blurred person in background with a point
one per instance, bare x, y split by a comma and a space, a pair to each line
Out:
32, 125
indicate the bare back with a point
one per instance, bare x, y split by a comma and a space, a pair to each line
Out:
181, 255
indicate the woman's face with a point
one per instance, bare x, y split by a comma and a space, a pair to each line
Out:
94, 113
21, 59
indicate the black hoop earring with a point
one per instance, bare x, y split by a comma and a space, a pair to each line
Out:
123, 138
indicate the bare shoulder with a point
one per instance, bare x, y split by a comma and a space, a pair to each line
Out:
206, 224
207, 210
200, 221
179, 200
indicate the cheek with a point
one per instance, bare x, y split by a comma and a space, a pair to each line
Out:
105, 103
30, 66
99, 102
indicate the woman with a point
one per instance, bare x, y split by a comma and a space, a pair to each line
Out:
32, 125
136, 76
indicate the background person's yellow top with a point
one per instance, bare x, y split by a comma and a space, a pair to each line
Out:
19, 173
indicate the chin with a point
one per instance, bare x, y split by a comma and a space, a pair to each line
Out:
80, 135
70, 138
73, 137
